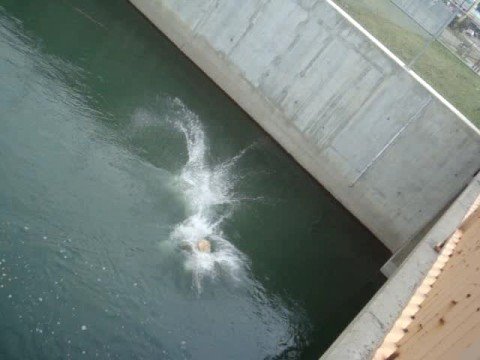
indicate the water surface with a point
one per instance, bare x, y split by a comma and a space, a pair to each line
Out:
115, 150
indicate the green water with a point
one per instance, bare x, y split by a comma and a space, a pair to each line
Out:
115, 150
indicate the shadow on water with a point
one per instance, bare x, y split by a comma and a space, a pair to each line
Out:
112, 145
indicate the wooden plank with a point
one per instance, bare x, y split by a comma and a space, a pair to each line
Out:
442, 320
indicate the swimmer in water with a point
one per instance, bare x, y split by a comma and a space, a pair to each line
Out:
202, 245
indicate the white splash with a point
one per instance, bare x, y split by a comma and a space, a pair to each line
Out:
210, 199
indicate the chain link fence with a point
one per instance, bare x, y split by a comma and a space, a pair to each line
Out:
439, 39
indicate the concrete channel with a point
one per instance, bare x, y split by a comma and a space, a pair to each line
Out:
371, 131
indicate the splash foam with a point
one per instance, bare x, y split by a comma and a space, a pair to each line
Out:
210, 199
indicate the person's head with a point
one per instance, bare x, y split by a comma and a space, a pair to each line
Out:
204, 245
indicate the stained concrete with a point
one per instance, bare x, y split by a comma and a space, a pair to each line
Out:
383, 143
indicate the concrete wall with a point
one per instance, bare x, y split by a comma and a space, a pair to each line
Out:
366, 332
432, 15
383, 144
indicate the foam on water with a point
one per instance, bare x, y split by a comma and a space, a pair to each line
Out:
210, 199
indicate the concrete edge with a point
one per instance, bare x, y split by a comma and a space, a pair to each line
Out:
367, 331
391, 341
395, 58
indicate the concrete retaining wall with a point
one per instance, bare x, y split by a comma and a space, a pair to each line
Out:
387, 147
